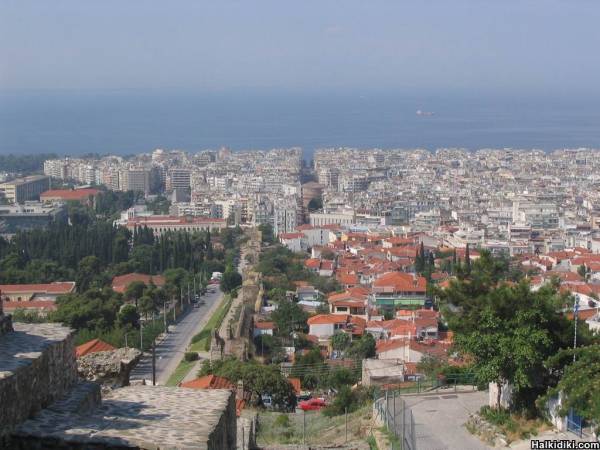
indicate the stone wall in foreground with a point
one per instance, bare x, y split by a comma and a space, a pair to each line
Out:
37, 367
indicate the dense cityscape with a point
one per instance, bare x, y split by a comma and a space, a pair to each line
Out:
313, 225
334, 280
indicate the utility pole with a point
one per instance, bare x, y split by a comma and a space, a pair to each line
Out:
153, 363
346, 422
141, 335
188, 293
304, 427
165, 315
575, 315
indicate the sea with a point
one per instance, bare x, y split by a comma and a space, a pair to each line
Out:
75, 122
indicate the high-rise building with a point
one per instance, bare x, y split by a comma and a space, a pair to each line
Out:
135, 179
179, 179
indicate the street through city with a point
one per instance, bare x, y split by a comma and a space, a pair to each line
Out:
171, 350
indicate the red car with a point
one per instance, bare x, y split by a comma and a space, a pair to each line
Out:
314, 404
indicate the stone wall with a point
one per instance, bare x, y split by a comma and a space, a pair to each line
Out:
37, 367
5, 323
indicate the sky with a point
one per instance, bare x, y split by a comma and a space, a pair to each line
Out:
478, 45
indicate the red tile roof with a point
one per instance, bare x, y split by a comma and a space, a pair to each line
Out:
208, 382
121, 282
287, 236
93, 346
69, 194
295, 382
57, 288
312, 263
323, 319
264, 325
31, 304
401, 282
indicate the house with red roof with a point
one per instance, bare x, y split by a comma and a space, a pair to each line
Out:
93, 346
121, 282
261, 328
351, 301
395, 290
296, 242
34, 297
36, 292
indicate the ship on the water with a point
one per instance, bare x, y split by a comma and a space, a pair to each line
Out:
424, 113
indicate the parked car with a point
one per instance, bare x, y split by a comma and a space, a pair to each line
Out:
314, 404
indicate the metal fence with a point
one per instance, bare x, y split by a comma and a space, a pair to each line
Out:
398, 420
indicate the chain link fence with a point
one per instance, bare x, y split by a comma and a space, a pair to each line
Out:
398, 420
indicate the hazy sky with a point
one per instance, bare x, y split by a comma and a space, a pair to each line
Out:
494, 45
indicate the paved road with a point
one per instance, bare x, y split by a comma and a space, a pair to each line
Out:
170, 351
440, 419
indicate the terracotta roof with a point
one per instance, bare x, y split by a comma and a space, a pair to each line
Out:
348, 279
93, 346
387, 345
31, 304
208, 382
401, 282
312, 263
322, 319
70, 194
121, 282
264, 325
295, 382
59, 287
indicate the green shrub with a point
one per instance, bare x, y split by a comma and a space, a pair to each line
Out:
190, 356
282, 421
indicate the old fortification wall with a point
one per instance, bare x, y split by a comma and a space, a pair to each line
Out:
37, 367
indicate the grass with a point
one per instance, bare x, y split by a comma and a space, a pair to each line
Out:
201, 341
180, 372
372, 443
513, 425
281, 428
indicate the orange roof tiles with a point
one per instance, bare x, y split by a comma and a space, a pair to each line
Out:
69, 194
208, 382
295, 382
93, 346
121, 282
401, 282
324, 319
59, 287
32, 304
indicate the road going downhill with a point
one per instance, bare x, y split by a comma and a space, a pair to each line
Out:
170, 351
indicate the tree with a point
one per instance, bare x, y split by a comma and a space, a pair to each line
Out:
289, 317
258, 379
315, 204
128, 317
134, 291
582, 271
508, 330
231, 279
579, 384
467, 259
340, 341
430, 365
362, 348
88, 268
